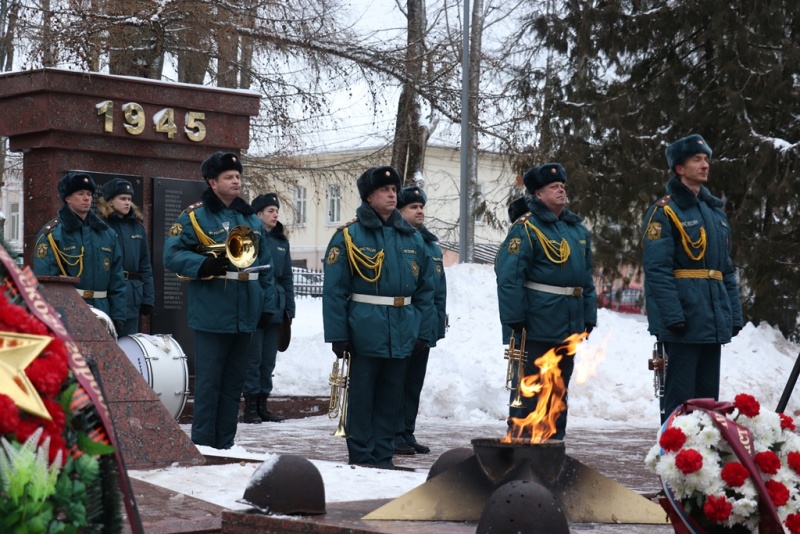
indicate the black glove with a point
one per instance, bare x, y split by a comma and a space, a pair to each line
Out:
145, 309
589, 328
517, 327
736, 330
340, 347
678, 328
213, 267
420, 345
264, 320
118, 326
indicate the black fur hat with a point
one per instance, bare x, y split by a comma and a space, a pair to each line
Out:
75, 181
219, 162
684, 148
264, 201
411, 194
517, 208
117, 186
540, 176
377, 177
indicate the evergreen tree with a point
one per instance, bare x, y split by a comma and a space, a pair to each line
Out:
630, 77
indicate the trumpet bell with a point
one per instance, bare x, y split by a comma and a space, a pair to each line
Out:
241, 247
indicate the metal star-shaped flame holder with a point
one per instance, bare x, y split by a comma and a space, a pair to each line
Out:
17, 351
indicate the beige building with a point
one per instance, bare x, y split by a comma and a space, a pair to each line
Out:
313, 208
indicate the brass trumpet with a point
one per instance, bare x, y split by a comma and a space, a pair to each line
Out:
240, 247
515, 357
340, 383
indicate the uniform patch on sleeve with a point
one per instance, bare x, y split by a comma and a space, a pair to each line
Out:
41, 250
333, 255
653, 231
513, 245
175, 230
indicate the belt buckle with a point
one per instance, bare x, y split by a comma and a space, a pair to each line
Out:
577, 292
243, 277
88, 293
125, 274
712, 273
399, 301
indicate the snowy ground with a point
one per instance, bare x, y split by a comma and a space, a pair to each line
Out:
611, 390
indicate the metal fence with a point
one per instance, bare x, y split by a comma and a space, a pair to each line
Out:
307, 283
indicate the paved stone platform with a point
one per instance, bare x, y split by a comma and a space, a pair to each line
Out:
617, 453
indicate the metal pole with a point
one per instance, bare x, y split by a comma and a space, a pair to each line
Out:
465, 148
787, 391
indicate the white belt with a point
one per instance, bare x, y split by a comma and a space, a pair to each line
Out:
89, 294
555, 290
240, 276
380, 301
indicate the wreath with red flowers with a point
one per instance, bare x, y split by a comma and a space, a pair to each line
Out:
729, 468
57, 474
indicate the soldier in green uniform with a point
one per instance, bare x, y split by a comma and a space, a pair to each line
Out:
264, 344
78, 243
544, 278
411, 203
692, 295
226, 303
377, 305
116, 207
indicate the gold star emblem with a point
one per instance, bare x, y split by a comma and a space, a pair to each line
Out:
17, 351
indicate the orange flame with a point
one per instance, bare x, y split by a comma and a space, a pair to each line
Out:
548, 387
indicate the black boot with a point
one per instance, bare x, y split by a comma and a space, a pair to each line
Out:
264, 413
251, 410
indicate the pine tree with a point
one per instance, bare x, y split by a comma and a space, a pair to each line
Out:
631, 77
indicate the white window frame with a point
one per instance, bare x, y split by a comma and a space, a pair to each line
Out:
300, 205
334, 204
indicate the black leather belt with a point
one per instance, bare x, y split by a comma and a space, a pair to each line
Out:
132, 276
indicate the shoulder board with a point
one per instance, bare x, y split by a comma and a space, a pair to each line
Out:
193, 207
522, 218
664, 201
50, 226
348, 223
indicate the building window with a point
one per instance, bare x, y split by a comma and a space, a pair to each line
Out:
334, 204
12, 225
479, 204
299, 205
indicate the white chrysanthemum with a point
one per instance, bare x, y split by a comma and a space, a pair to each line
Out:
653, 457
708, 437
766, 430
743, 508
692, 423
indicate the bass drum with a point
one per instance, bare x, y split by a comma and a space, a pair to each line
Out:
162, 363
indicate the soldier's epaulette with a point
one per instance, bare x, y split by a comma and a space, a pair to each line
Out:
50, 226
664, 201
348, 223
522, 218
191, 208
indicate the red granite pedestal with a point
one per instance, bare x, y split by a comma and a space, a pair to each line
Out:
147, 434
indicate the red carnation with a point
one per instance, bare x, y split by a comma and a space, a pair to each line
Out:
689, 461
778, 493
787, 423
48, 372
793, 459
747, 404
9, 415
717, 509
14, 318
793, 523
734, 474
672, 439
768, 462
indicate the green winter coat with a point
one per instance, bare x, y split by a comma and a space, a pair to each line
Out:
132, 239
440, 293
102, 259
220, 305
521, 258
710, 308
407, 271
282, 267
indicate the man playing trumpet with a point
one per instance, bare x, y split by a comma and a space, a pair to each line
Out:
377, 306
226, 303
